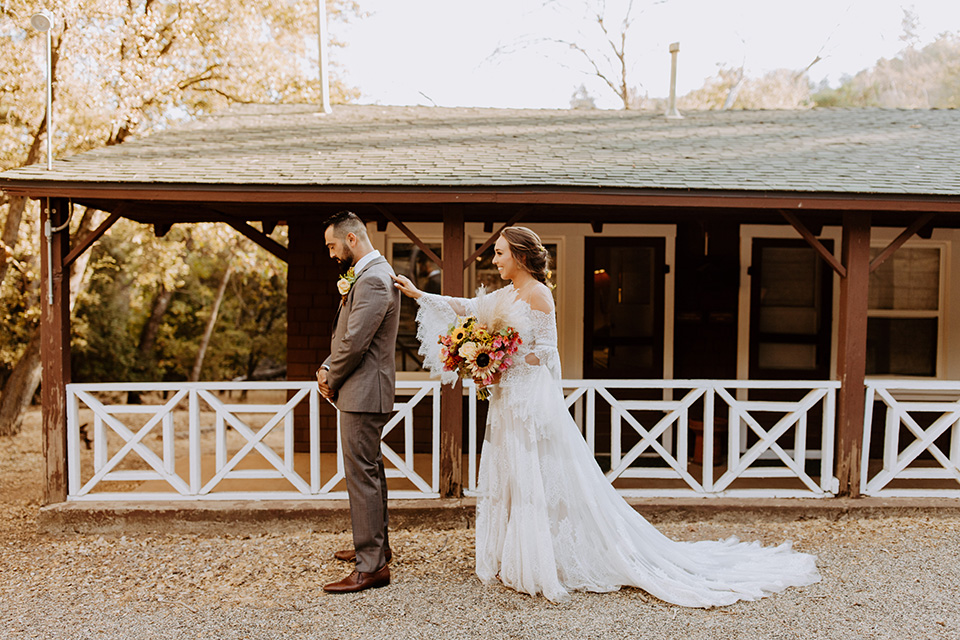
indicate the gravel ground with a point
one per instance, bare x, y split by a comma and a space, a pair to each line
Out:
893, 577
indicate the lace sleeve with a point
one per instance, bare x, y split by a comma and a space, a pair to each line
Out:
539, 350
435, 315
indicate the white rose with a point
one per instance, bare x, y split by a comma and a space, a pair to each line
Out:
343, 286
469, 350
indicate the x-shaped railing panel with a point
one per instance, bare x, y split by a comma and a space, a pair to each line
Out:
675, 412
899, 464
254, 441
740, 410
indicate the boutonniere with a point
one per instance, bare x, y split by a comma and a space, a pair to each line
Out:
345, 283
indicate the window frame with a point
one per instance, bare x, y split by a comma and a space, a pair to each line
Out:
940, 314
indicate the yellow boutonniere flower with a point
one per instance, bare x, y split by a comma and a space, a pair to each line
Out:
345, 283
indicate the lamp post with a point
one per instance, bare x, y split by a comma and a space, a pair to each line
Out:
43, 21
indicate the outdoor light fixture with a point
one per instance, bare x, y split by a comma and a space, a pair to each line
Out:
43, 22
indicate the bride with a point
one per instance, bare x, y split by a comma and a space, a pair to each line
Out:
548, 520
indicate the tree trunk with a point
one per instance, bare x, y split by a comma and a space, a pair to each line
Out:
25, 377
20, 387
208, 331
148, 336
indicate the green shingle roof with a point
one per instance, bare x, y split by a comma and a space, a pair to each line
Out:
871, 151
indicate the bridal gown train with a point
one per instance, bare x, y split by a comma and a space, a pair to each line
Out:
548, 520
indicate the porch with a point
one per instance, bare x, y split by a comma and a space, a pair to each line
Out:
443, 182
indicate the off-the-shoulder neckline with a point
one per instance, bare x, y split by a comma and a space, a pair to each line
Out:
528, 305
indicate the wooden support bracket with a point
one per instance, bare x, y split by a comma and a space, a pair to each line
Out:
410, 234
817, 246
908, 233
84, 244
256, 236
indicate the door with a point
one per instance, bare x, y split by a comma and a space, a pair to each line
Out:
624, 307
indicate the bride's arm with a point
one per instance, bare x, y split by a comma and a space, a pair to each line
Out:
541, 300
460, 306
434, 317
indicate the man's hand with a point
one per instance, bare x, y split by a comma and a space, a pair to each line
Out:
325, 389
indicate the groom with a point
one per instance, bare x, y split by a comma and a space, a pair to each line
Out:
359, 378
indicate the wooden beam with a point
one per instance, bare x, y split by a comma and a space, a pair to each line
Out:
451, 398
908, 233
268, 226
493, 238
545, 195
596, 226
417, 241
852, 350
55, 351
817, 246
258, 237
84, 244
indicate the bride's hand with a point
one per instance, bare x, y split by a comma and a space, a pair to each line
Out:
406, 287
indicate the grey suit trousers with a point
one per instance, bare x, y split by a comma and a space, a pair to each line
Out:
366, 485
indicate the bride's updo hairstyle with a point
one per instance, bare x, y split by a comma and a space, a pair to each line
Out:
527, 249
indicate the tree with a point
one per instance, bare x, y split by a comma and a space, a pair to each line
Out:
923, 78
581, 99
611, 61
730, 89
124, 68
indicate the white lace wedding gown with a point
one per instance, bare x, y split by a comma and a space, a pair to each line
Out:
548, 521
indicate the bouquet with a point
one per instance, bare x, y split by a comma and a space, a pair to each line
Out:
475, 351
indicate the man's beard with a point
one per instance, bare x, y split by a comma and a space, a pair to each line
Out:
347, 261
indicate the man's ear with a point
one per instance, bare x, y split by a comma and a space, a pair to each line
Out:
351, 239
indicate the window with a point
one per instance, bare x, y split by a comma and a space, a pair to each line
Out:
790, 311
409, 260
903, 327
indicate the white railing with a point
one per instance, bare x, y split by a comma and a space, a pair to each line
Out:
658, 452
917, 415
207, 442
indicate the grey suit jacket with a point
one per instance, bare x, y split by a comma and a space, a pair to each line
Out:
362, 361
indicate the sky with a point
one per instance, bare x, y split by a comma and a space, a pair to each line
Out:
442, 52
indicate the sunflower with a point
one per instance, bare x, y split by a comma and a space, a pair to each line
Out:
484, 365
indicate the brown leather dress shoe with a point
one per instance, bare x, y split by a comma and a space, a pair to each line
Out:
349, 555
358, 581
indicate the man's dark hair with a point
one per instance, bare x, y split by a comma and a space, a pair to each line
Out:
345, 222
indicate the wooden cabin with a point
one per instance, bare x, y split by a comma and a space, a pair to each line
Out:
750, 303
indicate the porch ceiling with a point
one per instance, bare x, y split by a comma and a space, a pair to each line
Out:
286, 161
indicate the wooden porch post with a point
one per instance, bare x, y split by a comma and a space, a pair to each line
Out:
451, 398
852, 349
55, 348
